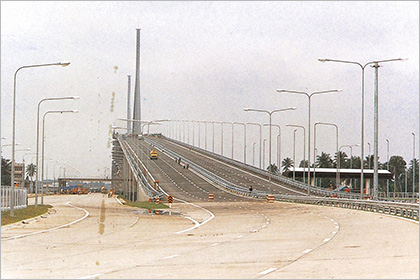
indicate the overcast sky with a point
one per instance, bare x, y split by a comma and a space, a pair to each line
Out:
207, 61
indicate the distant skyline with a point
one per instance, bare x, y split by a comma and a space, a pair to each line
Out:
208, 61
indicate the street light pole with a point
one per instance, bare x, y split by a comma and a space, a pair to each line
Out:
244, 139
387, 166
339, 159
270, 113
253, 154
231, 123
414, 162
363, 109
12, 176
304, 151
336, 134
43, 144
294, 153
37, 137
309, 122
260, 140
278, 145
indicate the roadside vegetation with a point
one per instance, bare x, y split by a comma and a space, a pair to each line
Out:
145, 204
23, 214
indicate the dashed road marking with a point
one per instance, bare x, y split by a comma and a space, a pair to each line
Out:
265, 272
171, 257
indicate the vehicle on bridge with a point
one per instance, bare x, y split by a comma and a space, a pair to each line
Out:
153, 154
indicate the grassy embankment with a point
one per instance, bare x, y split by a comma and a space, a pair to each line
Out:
146, 205
23, 214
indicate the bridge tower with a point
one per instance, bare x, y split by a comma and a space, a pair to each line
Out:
136, 109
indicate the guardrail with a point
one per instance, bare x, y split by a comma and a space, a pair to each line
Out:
279, 178
407, 210
20, 198
140, 178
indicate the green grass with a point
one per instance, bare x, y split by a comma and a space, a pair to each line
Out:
146, 205
23, 214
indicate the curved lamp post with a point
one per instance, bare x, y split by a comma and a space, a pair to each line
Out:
336, 134
12, 176
43, 142
37, 136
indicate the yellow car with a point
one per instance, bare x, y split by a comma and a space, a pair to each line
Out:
153, 154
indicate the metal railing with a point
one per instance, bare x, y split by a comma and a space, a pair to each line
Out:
278, 178
407, 210
133, 160
20, 198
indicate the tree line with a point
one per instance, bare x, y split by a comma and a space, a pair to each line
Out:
401, 171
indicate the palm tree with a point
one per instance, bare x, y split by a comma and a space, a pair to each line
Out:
397, 166
273, 168
304, 163
5, 171
410, 174
324, 160
31, 171
368, 162
343, 160
287, 164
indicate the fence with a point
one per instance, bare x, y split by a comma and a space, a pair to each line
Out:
20, 198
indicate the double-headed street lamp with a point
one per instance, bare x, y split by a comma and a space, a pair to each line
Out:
37, 135
43, 141
278, 145
12, 176
304, 152
309, 95
374, 64
270, 113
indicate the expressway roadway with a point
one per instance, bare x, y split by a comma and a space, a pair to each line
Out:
93, 236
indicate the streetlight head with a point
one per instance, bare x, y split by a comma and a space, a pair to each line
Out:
75, 97
64, 64
280, 90
403, 59
246, 109
323, 59
75, 111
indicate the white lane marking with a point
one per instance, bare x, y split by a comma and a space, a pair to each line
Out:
264, 226
197, 224
135, 222
91, 276
334, 232
233, 167
170, 257
215, 244
119, 201
51, 229
307, 251
326, 239
240, 236
265, 272
337, 226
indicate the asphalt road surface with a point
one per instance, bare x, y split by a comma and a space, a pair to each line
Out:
228, 239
